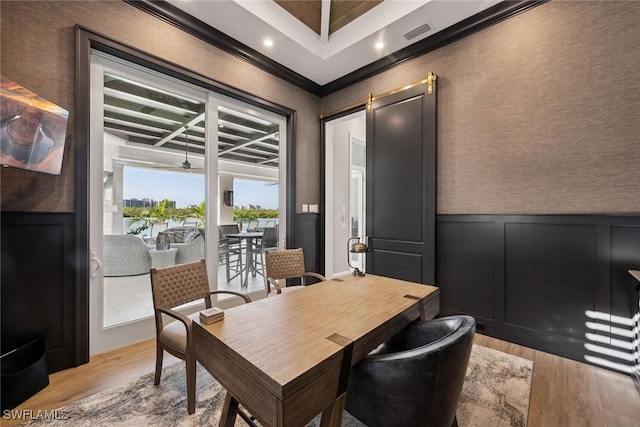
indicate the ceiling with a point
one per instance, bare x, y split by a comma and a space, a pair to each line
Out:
145, 118
324, 40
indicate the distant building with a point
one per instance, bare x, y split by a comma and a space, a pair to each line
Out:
145, 203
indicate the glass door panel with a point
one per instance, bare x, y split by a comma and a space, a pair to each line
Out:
147, 177
250, 168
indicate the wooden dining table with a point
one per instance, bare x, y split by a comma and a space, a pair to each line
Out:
286, 358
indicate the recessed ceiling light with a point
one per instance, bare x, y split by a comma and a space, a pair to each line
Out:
379, 45
268, 42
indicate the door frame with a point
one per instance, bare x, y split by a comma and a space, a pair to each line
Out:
323, 177
87, 40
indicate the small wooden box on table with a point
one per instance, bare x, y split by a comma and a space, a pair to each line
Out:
286, 358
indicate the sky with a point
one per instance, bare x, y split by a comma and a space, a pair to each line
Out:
188, 188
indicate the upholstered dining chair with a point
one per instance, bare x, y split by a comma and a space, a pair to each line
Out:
415, 378
172, 287
286, 264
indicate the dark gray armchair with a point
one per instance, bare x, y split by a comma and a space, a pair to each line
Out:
415, 378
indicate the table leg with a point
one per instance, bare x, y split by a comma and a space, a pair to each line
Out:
229, 411
332, 416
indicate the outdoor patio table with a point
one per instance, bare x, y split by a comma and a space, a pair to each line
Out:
250, 238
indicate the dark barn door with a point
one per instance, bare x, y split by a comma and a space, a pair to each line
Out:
401, 185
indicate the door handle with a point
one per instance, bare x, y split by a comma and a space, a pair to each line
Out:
98, 264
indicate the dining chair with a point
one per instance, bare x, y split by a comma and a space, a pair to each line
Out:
256, 252
416, 377
286, 264
172, 287
231, 258
225, 229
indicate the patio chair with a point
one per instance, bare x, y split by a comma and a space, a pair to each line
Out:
226, 255
172, 287
157, 227
286, 264
126, 255
269, 242
225, 229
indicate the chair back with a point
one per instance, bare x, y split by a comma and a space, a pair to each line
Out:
416, 377
269, 238
284, 264
225, 229
157, 227
179, 284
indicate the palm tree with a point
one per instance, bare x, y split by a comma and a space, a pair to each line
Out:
198, 212
146, 217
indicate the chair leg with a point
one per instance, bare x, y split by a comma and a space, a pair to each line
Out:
159, 354
191, 384
264, 273
227, 259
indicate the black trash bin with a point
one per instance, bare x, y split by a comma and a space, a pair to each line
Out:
24, 373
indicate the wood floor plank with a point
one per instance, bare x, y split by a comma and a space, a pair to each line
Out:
563, 392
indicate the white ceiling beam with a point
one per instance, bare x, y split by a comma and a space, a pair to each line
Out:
147, 102
139, 115
325, 16
181, 129
244, 144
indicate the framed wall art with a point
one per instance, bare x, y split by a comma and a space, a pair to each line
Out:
32, 130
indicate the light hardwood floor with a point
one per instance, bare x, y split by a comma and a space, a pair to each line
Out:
564, 393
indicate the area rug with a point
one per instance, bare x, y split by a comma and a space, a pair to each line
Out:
496, 393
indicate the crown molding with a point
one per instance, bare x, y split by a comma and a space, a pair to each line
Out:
462, 29
180, 19
174, 16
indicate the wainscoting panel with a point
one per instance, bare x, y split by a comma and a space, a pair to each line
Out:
625, 255
465, 262
38, 284
549, 282
545, 265
306, 236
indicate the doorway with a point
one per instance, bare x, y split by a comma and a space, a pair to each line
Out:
397, 184
345, 191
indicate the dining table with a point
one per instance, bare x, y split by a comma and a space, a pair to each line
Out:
286, 359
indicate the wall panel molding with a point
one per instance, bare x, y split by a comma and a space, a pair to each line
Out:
556, 283
39, 291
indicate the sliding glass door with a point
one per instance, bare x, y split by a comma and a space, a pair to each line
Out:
164, 158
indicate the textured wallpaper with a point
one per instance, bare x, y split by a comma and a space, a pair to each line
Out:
38, 51
539, 114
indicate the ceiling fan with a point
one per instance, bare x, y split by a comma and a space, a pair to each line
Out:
186, 164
